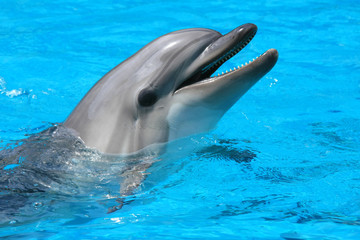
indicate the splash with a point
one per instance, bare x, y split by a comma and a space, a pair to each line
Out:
54, 169
14, 92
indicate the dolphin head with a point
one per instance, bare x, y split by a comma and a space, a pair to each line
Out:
165, 91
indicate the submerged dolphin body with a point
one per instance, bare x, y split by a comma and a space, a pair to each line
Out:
165, 91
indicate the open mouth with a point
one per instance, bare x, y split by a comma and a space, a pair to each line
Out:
226, 47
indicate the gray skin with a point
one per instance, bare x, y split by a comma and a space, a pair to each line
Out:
164, 91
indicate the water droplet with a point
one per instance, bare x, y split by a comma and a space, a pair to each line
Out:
37, 204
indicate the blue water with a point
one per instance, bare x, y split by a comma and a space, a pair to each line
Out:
283, 163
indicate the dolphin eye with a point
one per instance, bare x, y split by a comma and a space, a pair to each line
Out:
147, 98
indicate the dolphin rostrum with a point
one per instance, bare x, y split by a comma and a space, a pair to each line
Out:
165, 91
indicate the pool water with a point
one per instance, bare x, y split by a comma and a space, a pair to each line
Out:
283, 163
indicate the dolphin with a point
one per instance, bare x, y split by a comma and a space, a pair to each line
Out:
165, 91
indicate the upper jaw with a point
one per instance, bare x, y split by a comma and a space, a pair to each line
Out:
226, 47
220, 51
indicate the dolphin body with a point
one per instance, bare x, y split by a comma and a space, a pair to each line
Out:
165, 91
